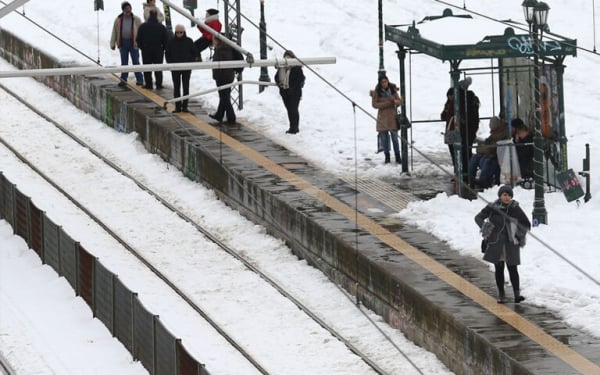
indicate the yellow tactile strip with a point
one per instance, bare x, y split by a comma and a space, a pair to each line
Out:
529, 329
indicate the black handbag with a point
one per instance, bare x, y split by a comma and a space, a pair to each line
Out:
484, 244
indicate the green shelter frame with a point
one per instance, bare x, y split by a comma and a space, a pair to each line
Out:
514, 54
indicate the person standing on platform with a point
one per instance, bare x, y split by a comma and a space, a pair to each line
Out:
211, 20
504, 227
291, 81
386, 99
150, 5
181, 49
223, 52
123, 35
152, 40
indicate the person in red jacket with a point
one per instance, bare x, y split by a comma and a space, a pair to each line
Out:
212, 21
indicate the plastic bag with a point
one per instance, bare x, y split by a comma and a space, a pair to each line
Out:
510, 172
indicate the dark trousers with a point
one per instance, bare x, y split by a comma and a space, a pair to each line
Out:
291, 104
225, 107
153, 57
181, 77
513, 275
202, 44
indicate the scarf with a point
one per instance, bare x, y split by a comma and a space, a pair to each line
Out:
283, 75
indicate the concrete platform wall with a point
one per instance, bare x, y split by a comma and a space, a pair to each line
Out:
327, 240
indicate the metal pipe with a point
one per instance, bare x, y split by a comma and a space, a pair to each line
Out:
232, 84
11, 6
186, 14
83, 70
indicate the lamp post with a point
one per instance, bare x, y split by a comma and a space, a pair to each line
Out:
264, 74
381, 71
536, 15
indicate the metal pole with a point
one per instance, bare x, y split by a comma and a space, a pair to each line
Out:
539, 214
381, 71
264, 75
10, 7
82, 70
405, 123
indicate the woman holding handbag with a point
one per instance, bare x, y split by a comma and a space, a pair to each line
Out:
386, 99
504, 232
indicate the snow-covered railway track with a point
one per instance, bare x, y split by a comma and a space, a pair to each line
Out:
179, 249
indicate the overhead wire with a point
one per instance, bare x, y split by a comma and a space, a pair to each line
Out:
342, 94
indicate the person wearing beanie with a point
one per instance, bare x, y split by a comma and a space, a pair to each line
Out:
504, 226
124, 33
386, 99
485, 158
181, 49
211, 20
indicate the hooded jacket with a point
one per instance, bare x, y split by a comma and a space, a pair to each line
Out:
212, 22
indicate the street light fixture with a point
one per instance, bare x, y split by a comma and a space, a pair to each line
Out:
536, 15
264, 75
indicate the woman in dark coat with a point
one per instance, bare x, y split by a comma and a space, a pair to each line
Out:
505, 237
181, 49
291, 81
386, 99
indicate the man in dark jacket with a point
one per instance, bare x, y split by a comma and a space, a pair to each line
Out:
181, 49
290, 81
224, 52
152, 40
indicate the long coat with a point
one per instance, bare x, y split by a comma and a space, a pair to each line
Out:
510, 228
386, 116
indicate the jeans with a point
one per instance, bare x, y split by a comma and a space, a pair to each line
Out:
488, 167
126, 50
384, 140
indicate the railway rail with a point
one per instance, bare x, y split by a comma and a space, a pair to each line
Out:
249, 264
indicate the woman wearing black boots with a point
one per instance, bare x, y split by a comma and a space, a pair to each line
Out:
504, 226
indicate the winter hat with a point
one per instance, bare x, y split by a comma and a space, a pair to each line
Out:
124, 4
505, 189
465, 83
212, 11
495, 123
518, 124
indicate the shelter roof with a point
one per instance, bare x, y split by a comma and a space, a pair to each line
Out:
449, 37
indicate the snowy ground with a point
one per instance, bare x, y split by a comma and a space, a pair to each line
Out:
328, 125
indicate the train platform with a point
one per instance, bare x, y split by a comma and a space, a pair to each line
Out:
439, 299
345, 227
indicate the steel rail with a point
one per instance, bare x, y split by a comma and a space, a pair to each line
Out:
205, 232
